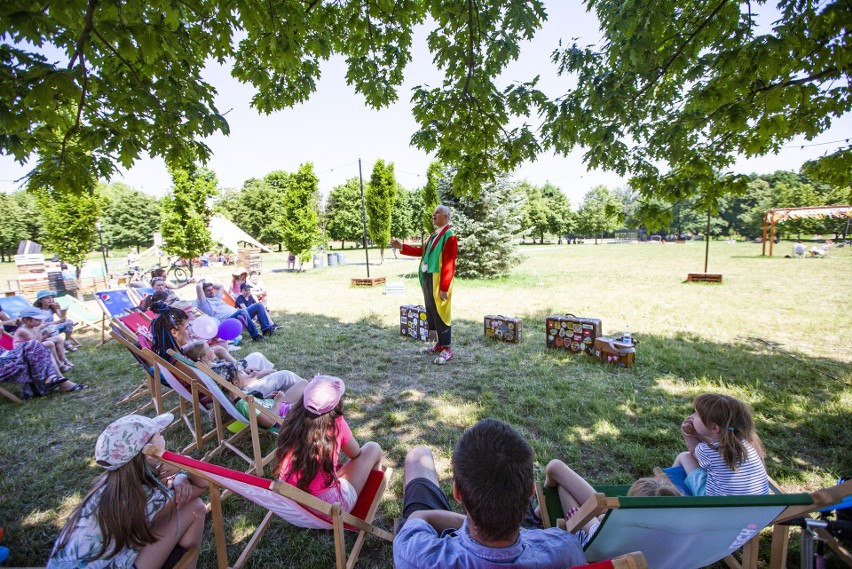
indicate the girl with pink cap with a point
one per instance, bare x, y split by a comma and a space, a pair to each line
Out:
311, 439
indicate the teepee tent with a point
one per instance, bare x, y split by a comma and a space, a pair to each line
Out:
230, 236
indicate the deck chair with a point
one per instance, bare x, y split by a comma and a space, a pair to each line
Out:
228, 299
635, 560
6, 343
150, 387
682, 532
286, 501
116, 302
12, 305
80, 313
216, 385
190, 408
139, 293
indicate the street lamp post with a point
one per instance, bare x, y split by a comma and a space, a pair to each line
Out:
103, 251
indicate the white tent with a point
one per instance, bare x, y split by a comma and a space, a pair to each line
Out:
229, 235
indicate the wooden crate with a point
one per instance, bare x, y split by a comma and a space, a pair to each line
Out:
704, 278
368, 281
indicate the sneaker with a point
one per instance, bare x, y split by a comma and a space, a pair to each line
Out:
271, 330
436, 349
233, 348
258, 338
445, 356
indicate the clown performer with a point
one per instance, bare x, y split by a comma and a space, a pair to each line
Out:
437, 268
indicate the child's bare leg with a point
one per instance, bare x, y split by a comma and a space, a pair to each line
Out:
357, 470
687, 461
573, 488
221, 352
166, 529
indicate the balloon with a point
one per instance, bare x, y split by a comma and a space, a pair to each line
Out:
205, 327
230, 329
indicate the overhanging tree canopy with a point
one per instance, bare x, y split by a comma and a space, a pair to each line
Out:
675, 92
780, 215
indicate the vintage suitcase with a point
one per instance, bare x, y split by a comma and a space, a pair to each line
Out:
615, 351
413, 323
504, 328
569, 332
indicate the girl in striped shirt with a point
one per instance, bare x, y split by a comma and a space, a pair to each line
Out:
725, 456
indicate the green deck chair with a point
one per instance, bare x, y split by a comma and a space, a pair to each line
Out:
682, 532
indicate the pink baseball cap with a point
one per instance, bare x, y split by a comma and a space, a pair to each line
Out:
323, 393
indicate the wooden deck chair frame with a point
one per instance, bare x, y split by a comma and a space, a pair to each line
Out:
81, 313
7, 342
151, 387
634, 560
277, 495
190, 409
217, 385
739, 520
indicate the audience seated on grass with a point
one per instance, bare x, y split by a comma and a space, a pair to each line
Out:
493, 480
310, 441
141, 512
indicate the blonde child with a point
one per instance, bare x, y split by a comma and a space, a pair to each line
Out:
725, 456
574, 490
310, 442
275, 390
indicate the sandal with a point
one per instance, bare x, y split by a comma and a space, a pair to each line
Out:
55, 380
70, 346
77, 387
63, 367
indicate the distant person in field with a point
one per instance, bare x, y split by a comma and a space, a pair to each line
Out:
799, 248
436, 272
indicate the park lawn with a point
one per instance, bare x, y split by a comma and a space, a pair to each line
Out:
774, 334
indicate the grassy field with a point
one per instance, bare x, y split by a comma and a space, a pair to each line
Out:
775, 334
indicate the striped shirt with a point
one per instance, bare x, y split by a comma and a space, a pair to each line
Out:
748, 479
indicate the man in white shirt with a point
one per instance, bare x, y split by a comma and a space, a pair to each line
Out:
210, 302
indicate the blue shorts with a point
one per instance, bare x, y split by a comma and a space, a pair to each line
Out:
696, 481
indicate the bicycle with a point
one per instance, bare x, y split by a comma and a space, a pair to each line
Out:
176, 273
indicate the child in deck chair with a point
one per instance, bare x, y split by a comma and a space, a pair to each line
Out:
725, 456
311, 439
574, 490
493, 479
275, 390
139, 513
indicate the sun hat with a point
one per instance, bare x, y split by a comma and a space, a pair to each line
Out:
124, 438
43, 294
323, 393
245, 286
239, 271
33, 312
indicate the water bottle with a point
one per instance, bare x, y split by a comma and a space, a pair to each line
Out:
627, 338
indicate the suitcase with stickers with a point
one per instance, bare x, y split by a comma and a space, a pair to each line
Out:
572, 333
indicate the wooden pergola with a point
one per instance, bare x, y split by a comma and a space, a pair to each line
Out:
780, 215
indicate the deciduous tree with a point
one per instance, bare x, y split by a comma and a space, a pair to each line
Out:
677, 89
343, 212
429, 197
129, 217
599, 213
300, 219
186, 210
69, 224
379, 196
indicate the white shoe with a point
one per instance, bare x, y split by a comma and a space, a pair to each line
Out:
232, 348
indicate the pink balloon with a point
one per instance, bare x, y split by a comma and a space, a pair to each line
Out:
205, 327
230, 329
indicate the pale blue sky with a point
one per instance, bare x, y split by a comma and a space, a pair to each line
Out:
335, 128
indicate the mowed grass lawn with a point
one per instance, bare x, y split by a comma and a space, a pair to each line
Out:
775, 334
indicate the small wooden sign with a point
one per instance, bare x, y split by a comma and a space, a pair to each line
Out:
704, 278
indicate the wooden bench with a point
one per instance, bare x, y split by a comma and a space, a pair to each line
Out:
368, 281
704, 278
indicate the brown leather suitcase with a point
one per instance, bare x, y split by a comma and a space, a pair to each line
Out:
571, 333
